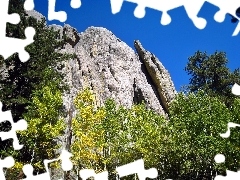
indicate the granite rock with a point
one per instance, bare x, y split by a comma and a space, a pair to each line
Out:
111, 69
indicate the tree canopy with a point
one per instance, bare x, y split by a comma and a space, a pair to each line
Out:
196, 121
26, 87
22, 78
210, 74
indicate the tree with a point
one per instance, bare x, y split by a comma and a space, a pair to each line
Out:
20, 80
45, 125
210, 74
196, 121
131, 134
22, 83
23, 78
110, 136
87, 131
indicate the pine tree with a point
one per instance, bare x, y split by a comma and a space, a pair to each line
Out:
210, 74
23, 78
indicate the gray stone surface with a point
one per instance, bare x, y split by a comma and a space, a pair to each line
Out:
35, 14
112, 70
159, 75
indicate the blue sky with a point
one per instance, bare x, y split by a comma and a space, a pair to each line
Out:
172, 44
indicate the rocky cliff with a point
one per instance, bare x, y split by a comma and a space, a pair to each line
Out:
113, 70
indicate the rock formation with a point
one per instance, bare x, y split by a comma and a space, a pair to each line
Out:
159, 75
113, 70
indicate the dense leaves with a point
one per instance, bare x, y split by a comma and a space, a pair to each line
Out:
183, 147
45, 125
21, 79
88, 144
197, 121
203, 113
33, 90
111, 136
180, 147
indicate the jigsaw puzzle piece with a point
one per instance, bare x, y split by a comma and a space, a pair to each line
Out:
137, 167
230, 175
60, 15
139, 11
67, 164
226, 7
65, 161
236, 89
53, 15
165, 6
28, 5
9, 46
5, 17
116, 6
75, 4
229, 126
192, 9
20, 125
220, 158
87, 173
8, 162
13, 18
159, 5
12, 45
28, 171
237, 30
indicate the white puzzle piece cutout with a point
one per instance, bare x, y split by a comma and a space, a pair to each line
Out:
9, 45
18, 126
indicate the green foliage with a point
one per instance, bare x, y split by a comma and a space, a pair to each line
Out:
45, 125
110, 136
138, 133
27, 86
88, 134
232, 155
183, 147
196, 121
207, 108
105, 137
210, 74
23, 78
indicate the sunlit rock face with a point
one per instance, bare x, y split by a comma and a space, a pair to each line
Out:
111, 69
114, 70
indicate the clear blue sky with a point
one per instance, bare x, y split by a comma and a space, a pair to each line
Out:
172, 44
